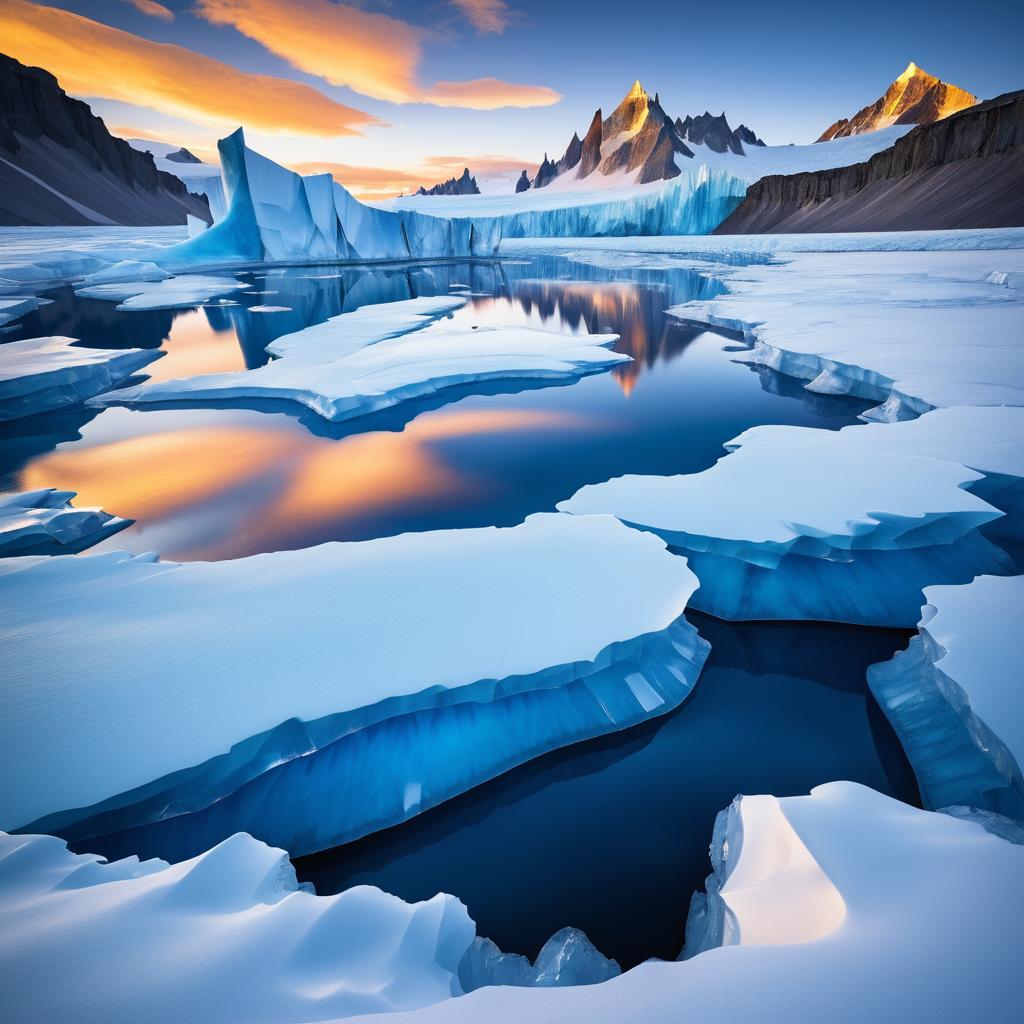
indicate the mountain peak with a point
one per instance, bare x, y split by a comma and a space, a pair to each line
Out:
636, 90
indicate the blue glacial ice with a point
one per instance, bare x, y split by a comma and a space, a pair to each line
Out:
43, 522
40, 374
393, 693
954, 696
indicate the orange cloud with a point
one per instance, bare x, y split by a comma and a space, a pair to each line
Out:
92, 59
152, 8
488, 17
370, 53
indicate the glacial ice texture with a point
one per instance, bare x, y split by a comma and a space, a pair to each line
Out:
44, 523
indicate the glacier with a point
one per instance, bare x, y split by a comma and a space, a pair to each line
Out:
44, 522
382, 355
835, 893
226, 936
953, 697
40, 374
340, 731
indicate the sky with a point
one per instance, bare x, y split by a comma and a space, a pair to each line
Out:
391, 95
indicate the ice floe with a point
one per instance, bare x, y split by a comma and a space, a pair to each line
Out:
15, 307
49, 373
228, 936
954, 696
844, 906
163, 292
44, 522
378, 356
320, 694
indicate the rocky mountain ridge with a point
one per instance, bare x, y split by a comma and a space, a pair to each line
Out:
463, 186
60, 165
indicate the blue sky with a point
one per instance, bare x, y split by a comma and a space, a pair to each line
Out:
786, 70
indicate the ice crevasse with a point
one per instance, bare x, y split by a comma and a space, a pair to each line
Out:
391, 695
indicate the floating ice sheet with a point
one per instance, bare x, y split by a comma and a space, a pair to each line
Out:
165, 292
43, 522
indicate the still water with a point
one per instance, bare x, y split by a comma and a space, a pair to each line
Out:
611, 835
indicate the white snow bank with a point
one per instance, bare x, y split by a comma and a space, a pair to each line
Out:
806, 523
159, 290
911, 330
48, 373
954, 696
530, 637
377, 357
222, 938
43, 522
846, 906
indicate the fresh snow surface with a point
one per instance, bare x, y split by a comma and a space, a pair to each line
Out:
914, 330
843, 527
224, 651
223, 938
846, 906
377, 357
165, 292
49, 373
954, 696
43, 522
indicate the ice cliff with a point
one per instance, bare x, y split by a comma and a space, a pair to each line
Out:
392, 693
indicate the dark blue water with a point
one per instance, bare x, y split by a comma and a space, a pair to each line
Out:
611, 835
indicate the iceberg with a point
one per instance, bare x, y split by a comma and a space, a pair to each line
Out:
44, 523
954, 700
822, 908
380, 356
415, 667
39, 374
226, 936
842, 529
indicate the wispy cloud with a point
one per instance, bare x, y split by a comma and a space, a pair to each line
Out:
488, 17
371, 53
92, 59
152, 8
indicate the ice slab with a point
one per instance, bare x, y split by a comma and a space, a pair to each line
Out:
43, 522
954, 696
378, 357
163, 292
898, 328
832, 915
15, 307
49, 373
515, 641
805, 523
227, 936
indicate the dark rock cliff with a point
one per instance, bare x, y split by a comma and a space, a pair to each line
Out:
524, 183
965, 171
60, 165
463, 186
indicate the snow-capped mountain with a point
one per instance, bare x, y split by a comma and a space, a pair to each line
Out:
60, 165
914, 98
640, 142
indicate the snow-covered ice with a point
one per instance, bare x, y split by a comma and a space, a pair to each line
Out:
379, 356
240, 666
954, 696
843, 906
163, 291
49, 373
44, 522
226, 937
15, 307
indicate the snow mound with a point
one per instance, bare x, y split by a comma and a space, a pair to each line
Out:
827, 910
954, 699
379, 356
44, 523
227, 936
309, 694
842, 527
161, 291
900, 329
49, 373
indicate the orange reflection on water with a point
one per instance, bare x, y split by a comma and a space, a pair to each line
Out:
194, 348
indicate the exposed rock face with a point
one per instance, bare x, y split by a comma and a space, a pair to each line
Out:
572, 155
745, 134
914, 98
60, 165
629, 115
546, 173
524, 183
464, 186
714, 132
651, 149
965, 171
590, 155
